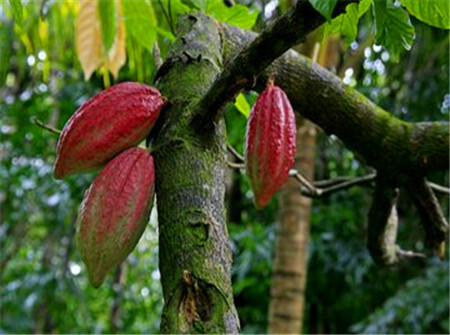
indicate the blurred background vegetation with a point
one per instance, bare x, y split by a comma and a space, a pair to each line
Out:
43, 284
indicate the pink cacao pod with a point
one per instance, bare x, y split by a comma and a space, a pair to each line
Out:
269, 143
113, 120
115, 212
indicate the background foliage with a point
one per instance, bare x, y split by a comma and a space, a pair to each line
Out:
43, 284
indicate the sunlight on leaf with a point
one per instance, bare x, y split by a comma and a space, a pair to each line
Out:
433, 12
237, 15
242, 105
393, 28
347, 24
141, 22
107, 11
117, 55
88, 38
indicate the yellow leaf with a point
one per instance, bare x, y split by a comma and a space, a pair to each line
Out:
117, 56
88, 38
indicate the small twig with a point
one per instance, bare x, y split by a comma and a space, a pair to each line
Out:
46, 127
349, 183
330, 182
235, 153
439, 188
313, 191
236, 165
337, 184
407, 254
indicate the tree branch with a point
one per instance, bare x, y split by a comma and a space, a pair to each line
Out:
285, 32
385, 142
383, 223
334, 185
439, 188
431, 216
235, 153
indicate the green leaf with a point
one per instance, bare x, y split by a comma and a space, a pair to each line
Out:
195, 4
17, 11
242, 105
5, 52
393, 28
324, 7
140, 21
433, 12
174, 9
347, 24
108, 22
236, 15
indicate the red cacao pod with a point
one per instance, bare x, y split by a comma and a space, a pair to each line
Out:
113, 120
115, 212
269, 143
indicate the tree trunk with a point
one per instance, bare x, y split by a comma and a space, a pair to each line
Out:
290, 265
195, 255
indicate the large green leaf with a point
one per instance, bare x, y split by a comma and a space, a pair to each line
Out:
140, 21
324, 7
433, 12
347, 24
393, 28
195, 4
108, 22
17, 11
237, 15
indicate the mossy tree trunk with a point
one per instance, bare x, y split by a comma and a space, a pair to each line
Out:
195, 256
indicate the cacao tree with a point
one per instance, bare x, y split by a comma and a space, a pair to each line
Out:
208, 63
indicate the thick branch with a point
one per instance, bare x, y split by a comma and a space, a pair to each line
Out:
382, 140
285, 32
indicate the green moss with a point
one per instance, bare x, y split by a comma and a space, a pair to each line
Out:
190, 170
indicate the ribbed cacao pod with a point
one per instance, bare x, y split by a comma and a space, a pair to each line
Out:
115, 119
115, 212
269, 143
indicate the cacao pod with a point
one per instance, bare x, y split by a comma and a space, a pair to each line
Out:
113, 120
269, 143
115, 211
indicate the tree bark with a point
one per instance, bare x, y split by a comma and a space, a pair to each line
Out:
291, 254
383, 141
195, 255
287, 298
